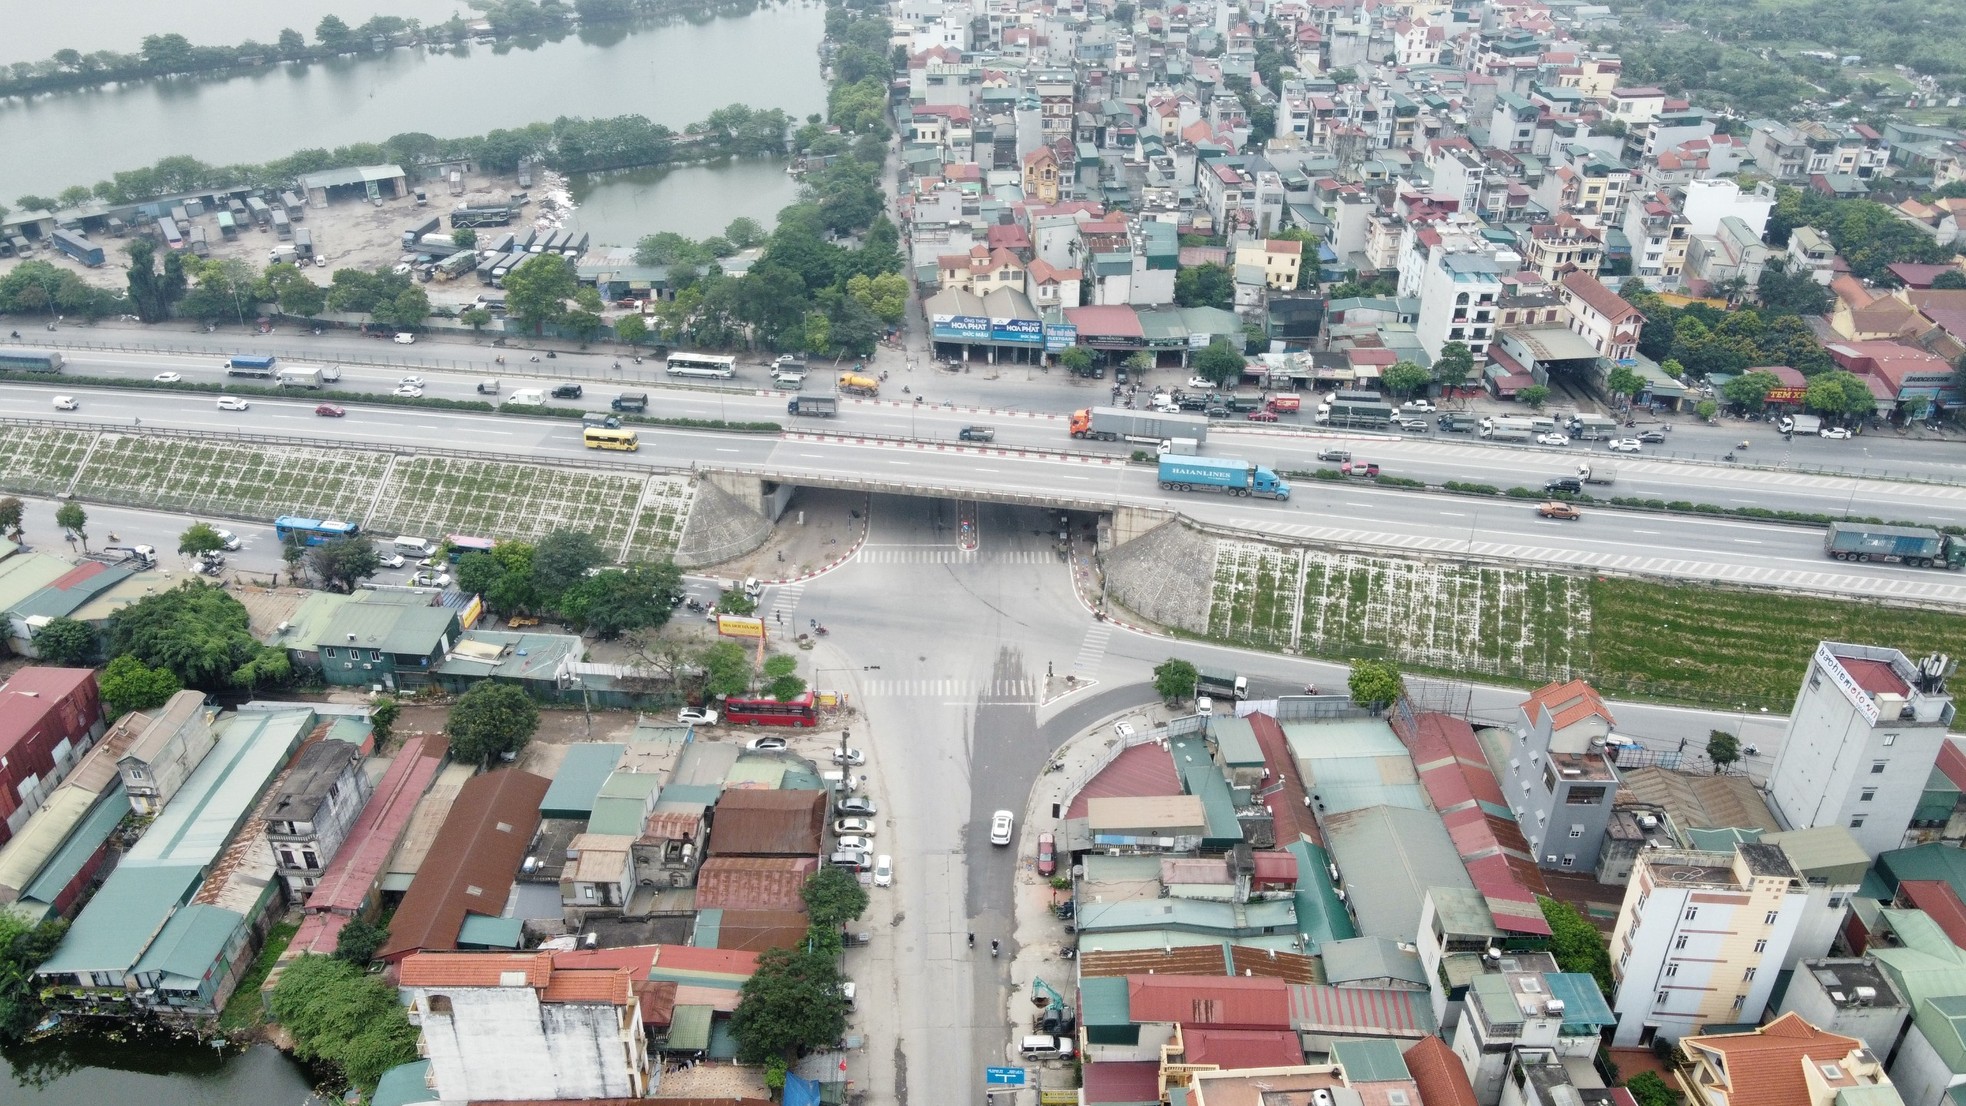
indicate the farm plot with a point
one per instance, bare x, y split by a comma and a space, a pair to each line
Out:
41, 461
227, 479
498, 499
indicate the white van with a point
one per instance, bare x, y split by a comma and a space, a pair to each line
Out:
415, 548
526, 397
1045, 1047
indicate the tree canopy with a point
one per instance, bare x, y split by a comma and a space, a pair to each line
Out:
833, 897
491, 720
1174, 679
128, 685
1374, 685
1220, 362
341, 1016
791, 1004
200, 635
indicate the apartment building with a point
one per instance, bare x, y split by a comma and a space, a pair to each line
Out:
1862, 738
1701, 938
1557, 777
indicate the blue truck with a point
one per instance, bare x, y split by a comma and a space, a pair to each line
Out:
1223, 474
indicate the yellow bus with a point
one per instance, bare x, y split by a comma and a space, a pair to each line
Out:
598, 437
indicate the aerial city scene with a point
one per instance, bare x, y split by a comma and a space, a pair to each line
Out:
993, 552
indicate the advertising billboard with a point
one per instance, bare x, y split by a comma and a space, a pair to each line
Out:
960, 328
1059, 337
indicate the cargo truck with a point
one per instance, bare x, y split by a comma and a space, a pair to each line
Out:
1245, 400
1355, 414
1180, 447
854, 384
415, 233
1597, 472
1591, 428
1220, 682
1799, 424
300, 377
303, 244
1457, 423
821, 405
1223, 474
250, 365
1112, 424
1286, 404
1508, 428
261, 214
1912, 545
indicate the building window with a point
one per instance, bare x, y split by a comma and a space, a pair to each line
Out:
1692, 912
1680, 941
1877, 767
1672, 968
1761, 946
1769, 918
1867, 794
1569, 860
1836, 902
1740, 1001
1576, 831
1747, 976
1890, 739
1661, 1000
1857, 822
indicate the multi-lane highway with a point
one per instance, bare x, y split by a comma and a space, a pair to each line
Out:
914, 445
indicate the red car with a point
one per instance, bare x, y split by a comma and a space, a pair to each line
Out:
1262, 416
1047, 855
329, 410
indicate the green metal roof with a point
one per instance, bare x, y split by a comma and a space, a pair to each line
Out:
1235, 742
1162, 326
81, 843
53, 602
221, 792
192, 941
481, 932
403, 1085
1103, 1001
1320, 912
582, 772
1827, 851
1370, 1061
131, 907
23, 574
689, 1029
1584, 1008
1927, 964
389, 627
1722, 840
1200, 778
623, 803
1945, 863
1368, 958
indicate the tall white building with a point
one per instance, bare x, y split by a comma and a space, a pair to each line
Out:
1865, 731
1701, 938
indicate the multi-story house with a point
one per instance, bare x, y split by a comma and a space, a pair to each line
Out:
1041, 176
1458, 289
174, 740
982, 270
1513, 124
521, 1025
1582, 181
1604, 319
1851, 997
1564, 246
1700, 938
1280, 261
1786, 1061
1811, 149
1861, 741
1709, 201
1732, 253
1049, 286
1057, 92
316, 807
1521, 1003
1557, 777
1636, 107
1657, 233
49, 717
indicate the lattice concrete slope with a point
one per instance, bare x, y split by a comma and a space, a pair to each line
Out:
40, 461
233, 479
441, 495
1163, 575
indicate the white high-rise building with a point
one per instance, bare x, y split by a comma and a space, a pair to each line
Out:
1865, 731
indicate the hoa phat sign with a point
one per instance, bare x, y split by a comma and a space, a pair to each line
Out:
1023, 332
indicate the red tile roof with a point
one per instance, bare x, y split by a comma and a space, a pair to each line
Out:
472, 863
1221, 1003
1462, 788
1112, 321
1876, 677
1443, 1081
1764, 1067
1606, 302
1568, 703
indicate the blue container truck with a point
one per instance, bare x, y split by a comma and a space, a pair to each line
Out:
1223, 474
1912, 545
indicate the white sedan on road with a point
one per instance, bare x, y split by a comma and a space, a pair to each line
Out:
65, 403
1624, 445
1000, 824
232, 403
408, 391
1837, 432
1552, 439
411, 382
168, 378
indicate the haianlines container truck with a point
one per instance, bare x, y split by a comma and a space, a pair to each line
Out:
1223, 474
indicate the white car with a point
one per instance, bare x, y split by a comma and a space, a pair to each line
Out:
65, 403
1000, 824
857, 844
1169, 408
391, 560
232, 403
411, 382
1200, 382
767, 745
230, 539
408, 391
855, 757
431, 580
697, 716
1837, 432
1624, 445
1204, 705
168, 378
884, 871
1420, 405
405, 339
858, 827
1552, 439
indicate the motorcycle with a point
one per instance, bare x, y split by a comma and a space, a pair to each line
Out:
1310, 689
1056, 765
617, 366
501, 360
638, 360
820, 630
550, 353
1727, 457
1743, 445
535, 359
695, 605
993, 949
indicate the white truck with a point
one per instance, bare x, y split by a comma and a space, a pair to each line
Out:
526, 397
1597, 472
1508, 428
300, 376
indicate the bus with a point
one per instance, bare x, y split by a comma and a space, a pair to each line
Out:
31, 360
312, 531
600, 437
802, 711
717, 365
461, 544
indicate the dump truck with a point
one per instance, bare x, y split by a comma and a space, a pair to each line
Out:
818, 404
854, 384
1223, 474
1913, 545
1113, 424
1220, 682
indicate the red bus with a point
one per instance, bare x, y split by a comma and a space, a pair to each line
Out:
802, 711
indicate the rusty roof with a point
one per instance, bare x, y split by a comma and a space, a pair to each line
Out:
1223, 1003
476, 855
1442, 1080
768, 823
753, 883
758, 930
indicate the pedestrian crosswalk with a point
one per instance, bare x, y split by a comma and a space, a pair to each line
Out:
1092, 651
942, 555
783, 601
950, 689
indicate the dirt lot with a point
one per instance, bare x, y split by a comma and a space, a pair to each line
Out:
352, 234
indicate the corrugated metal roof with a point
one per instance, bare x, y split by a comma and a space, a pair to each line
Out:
1370, 1061
1121, 1083
130, 908
753, 883
352, 874
1142, 770
1223, 1003
191, 942
211, 805
1360, 1011
1291, 815
689, 1029
1439, 1074
480, 846
30, 850
1391, 857
582, 771
769, 823
1231, 1049
1370, 958
1321, 915
82, 843
1584, 1008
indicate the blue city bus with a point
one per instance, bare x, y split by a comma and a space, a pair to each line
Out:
31, 360
313, 531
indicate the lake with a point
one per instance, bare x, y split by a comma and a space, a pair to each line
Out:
157, 1072
695, 201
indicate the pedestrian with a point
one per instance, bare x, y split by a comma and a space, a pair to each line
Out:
778, 617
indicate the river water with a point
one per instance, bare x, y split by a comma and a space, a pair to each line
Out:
165, 1073
675, 72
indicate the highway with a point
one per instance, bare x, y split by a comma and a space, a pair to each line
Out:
858, 445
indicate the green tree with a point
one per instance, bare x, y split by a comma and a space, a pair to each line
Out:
1950, 279
1454, 365
1750, 390
151, 293
333, 34
65, 643
781, 678
343, 563
200, 634
1375, 685
1624, 383
735, 601
1706, 409
74, 521
127, 685
726, 670
1077, 360
1406, 378
1205, 285
744, 232
465, 238
199, 537
359, 940
617, 601
343, 1018
1839, 393
790, 1005
1220, 362
1175, 680
537, 291
23, 946
382, 719
1723, 749
1534, 396
491, 720
1651, 1089
292, 43
561, 560
1575, 942
12, 513
477, 318
833, 897
632, 329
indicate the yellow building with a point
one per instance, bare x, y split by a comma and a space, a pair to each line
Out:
1281, 261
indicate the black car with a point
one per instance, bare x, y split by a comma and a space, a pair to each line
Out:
566, 391
1653, 437
1569, 484
1191, 403
1218, 412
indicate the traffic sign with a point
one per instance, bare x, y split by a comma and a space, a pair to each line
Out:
1004, 1077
